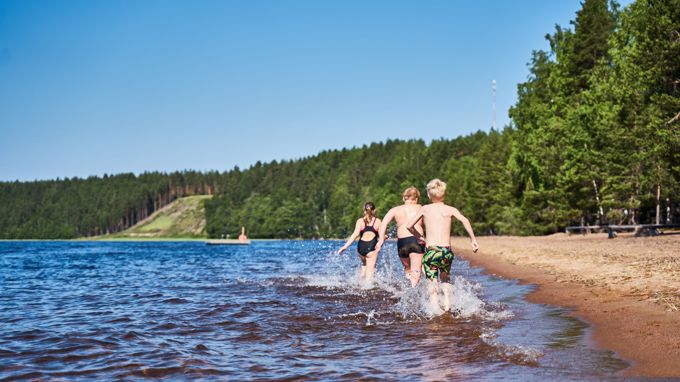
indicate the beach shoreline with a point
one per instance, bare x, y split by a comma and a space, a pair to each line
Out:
627, 288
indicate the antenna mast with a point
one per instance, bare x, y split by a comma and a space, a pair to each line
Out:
493, 85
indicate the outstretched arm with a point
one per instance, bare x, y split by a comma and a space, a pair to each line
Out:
411, 225
383, 228
352, 237
466, 223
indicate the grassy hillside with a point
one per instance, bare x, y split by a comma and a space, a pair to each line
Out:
183, 218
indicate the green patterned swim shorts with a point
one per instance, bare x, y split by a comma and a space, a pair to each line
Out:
437, 259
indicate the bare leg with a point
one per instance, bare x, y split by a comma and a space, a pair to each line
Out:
446, 287
371, 259
407, 267
362, 273
406, 263
416, 265
434, 293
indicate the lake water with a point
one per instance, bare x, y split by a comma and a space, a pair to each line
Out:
274, 310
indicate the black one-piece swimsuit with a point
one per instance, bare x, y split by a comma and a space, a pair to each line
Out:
364, 247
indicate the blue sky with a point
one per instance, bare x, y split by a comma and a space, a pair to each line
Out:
94, 87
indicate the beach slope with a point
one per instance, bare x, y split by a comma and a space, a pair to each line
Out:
628, 288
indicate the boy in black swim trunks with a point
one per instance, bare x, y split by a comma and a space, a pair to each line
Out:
438, 258
409, 249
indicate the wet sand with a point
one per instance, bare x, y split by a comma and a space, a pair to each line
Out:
628, 288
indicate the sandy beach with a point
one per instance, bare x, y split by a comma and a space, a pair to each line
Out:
628, 288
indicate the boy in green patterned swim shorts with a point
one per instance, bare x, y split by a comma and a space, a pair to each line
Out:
437, 260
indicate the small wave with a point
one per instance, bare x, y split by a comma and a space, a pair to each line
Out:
45, 359
120, 320
7, 353
175, 300
371, 318
150, 295
63, 349
157, 372
258, 369
29, 335
72, 358
32, 375
131, 335
166, 326
517, 354
356, 314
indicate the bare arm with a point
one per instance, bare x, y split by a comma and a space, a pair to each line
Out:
466, 223
383, 228
411, 225
352, 237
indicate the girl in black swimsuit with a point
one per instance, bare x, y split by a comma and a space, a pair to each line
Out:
366, 229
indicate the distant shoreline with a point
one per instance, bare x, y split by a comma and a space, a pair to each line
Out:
627, 287
149, 239
100, 238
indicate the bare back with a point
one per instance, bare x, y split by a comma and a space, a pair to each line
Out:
368, 232
402, 215
437, 219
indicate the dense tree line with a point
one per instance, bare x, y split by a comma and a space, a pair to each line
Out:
596, 125
322, 196
595, 139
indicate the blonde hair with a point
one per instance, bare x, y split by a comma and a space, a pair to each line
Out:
411, 193
436, 189
369, 212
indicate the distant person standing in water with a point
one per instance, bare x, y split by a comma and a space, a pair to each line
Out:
409, 249
438, 257
366, 229
242, 238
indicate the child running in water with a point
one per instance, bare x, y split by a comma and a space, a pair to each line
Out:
438, 257
409, 249
366, 229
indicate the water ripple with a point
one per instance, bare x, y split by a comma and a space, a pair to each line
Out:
99, 310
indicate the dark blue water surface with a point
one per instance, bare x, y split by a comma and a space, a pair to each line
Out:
273, 310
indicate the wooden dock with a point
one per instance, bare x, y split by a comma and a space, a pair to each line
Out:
227, 242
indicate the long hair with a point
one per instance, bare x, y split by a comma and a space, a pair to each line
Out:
369, 212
